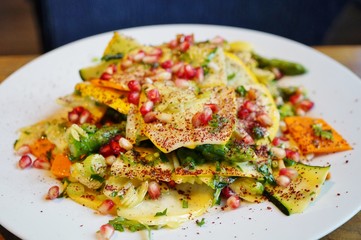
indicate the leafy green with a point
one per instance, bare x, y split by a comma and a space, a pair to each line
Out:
164, 213
319, 132
231, 76
184, 203
201, 222
258, 133
120, 223
217, 123
241, 91
264, 169
112, 57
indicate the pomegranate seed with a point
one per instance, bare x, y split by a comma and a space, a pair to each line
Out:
295, 98
181, 72
134, 86
167, 64
150, 117
189, 72
105, 76
172, 184
196, 119
146, 107
289, 172
84, 117
24, 149
243, 113
264, 120
189, 39
125, 144
300, 112
234, 202
116, 148
217, 40
41, 164
182, 83
283, 180
277, 72
277, 141
227, 192
279, 153
184, 46
173, 44
154, 190
155, 52
176, 67
248, 140
139, 56
111, 69
206, 115
199, 74
293, 155
106, 206
53, 193
150, 59
213, 107
133, 97
251, 106
73, 117
106, 150
25, 161
153, 95
306, 105
105, 232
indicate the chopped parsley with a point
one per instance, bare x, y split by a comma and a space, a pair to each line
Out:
112, 56
319, 132
217, 123
120, 223
258, 132
164, 213
265, 171
241, 91
201, 222
231, 76
97, 177
184, 203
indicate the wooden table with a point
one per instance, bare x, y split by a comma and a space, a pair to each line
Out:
350, 56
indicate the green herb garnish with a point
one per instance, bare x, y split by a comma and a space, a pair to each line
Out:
231, 76
319, 132
184, 203
241, 91
164, 213
201, 222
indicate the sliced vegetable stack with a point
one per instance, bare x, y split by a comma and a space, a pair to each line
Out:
156, 135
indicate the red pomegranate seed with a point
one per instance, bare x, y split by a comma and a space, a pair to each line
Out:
106, 206
116, 148
53, 193
155, 52
283, 180
167, 64
199, 74
306, 105
213, 107
189, 72
173, 44
206, 115
264, 120
233, 202
105, 76
289, 172
150, 117
41, 164
106, 150
251, 106
243, 113
25, 161
24, 149
150, 59
293, 155
177, 67
196, 119
277, 141
184, 46
248, 140
172, 184
146, 107
133, 97
227, 192
154, 190
134, 86
73, 117
189, 38
139, 56
105, 232
84, 117
182, 83
111, 69
153, 95
295, 98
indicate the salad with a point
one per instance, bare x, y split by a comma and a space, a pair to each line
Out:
157, 135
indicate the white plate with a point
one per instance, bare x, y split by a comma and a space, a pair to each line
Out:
29, 95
